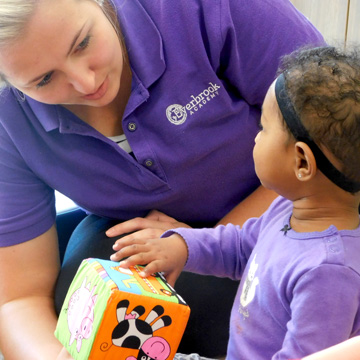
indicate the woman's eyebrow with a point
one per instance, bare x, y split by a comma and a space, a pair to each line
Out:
76, 37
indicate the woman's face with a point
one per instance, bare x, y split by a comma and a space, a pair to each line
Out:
69, 54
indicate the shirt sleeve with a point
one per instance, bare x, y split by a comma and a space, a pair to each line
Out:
27, 205
255, 35
324, 309
222, 251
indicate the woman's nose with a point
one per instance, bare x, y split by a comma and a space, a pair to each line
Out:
82, 79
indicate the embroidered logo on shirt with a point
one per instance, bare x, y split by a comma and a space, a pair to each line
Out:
177, 114
249, 287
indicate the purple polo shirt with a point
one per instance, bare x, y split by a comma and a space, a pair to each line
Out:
200, 72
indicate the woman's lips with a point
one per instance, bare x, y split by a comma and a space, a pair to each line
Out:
99, 93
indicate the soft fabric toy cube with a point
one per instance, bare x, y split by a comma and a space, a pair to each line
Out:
112, 313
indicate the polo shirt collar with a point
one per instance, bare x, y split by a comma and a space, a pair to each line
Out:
53, 117
46, 114
143, 41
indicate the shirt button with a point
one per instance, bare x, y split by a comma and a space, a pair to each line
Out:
132, 126
149, 162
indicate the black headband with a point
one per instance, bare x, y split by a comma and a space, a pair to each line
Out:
300, 133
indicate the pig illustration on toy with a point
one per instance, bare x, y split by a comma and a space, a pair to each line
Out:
154, 348
80, 313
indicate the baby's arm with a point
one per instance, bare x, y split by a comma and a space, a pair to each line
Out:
167, 255
318, 319
219, 251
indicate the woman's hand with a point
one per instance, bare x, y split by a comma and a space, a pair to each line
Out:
167, 255
155, 221
64, 355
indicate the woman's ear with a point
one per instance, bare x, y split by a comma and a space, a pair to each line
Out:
305, 163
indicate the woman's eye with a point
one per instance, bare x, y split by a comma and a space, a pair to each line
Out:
46, 79
84, 44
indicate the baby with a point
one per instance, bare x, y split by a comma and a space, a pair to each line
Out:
299, 263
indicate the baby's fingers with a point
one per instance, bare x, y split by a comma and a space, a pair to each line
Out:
171, 273
171, 277
152, 268
140, 237
135, 251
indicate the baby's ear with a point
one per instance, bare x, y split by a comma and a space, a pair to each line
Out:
305, 163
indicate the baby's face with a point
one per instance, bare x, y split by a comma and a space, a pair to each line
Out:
273, 150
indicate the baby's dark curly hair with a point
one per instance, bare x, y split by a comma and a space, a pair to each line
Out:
324, 85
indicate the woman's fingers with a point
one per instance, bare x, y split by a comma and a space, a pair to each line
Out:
64, 355
137, 224
131, 226
159, 216
154, 220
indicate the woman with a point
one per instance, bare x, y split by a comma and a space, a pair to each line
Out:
180, 84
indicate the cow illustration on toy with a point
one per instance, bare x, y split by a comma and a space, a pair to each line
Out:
134, 333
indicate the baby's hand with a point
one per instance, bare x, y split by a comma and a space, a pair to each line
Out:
167, 255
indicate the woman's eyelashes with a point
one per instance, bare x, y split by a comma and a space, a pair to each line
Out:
47, 78
84, 44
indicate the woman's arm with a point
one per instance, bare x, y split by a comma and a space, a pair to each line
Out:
347, 350
252, 206
28, 273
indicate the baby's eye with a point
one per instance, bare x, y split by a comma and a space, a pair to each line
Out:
84, 44
46, 80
